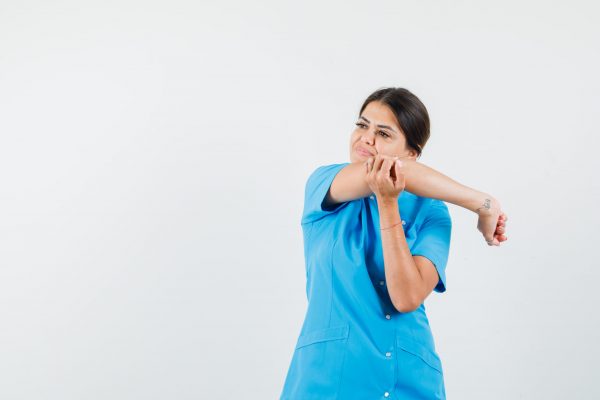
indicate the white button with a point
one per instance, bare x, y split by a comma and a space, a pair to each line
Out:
386, 394
371, 197
388, 354
388, 316
403, 222
381, 283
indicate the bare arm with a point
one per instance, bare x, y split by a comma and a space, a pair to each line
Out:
350, 184
406, 287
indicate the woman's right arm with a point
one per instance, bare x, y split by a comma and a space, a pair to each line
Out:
350, 184
427, 182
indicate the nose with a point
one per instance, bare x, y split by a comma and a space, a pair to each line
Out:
368, 137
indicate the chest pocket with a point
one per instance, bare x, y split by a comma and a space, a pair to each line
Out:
420, 371
316, 367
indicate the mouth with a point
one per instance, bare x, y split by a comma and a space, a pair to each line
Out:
363, 152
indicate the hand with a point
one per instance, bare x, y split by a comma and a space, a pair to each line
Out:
384, 176
492, 223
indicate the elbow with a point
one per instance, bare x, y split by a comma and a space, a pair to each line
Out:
406, 304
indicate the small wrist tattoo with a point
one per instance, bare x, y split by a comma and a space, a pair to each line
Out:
486, 205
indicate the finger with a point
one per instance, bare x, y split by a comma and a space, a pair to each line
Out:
377, 163
391, 170
384, 172
489, 238
371, 160
501, 237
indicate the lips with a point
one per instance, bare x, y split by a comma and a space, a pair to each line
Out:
363, 151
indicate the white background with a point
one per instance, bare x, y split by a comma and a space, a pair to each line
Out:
153, 158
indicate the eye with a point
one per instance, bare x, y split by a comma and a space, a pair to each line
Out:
382, 133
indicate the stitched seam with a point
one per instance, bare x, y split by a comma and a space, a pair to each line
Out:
423, 358
343, 362
323, 335
331, 280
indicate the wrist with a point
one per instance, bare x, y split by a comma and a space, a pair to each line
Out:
483, 203
387, 202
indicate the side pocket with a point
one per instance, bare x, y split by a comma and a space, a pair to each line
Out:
323, 335
420, 370
316, 366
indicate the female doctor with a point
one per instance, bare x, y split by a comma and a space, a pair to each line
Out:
376, 242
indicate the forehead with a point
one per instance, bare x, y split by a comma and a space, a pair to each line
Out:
380, 114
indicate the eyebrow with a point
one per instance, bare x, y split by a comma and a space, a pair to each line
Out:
381, 126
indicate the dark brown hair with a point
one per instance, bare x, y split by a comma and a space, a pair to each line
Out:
410, 113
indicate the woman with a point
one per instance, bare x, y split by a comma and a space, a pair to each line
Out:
376, 240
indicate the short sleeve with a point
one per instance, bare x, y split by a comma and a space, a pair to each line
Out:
433, 240
316, 189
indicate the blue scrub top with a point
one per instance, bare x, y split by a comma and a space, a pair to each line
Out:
353, 343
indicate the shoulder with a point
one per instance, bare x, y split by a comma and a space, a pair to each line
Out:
436, 204
325, 170
438, 212
322, 176
315, 193
432, 210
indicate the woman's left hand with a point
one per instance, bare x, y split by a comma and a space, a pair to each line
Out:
492, 223
384, 176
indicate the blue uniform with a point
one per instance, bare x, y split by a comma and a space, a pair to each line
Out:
353, 343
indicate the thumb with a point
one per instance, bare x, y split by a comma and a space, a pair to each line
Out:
489, 238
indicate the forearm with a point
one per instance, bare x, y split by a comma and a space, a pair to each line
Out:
401, 273
427, 182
